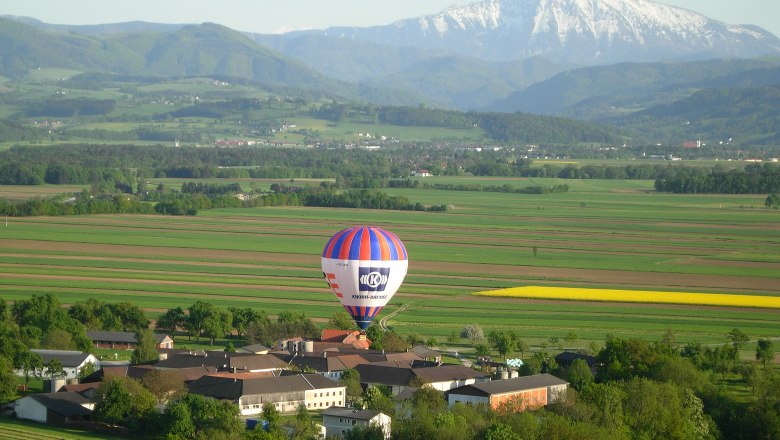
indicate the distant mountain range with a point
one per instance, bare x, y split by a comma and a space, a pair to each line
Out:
584, 32
586, 59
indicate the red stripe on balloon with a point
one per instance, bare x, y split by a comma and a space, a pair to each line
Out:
365, 244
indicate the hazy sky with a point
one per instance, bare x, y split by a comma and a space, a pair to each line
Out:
266, 16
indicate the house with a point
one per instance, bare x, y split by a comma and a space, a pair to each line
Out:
124, 340
87, 389
566, 358
72, 361
339, 420
354, 338
136, 372
513, 395
251, 391
426, 353
421, 173
400, 377
54, 408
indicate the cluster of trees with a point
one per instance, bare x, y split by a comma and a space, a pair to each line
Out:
218, 109
83, 203
206, 319
504, 127
66, 108
211, 189
329, 195
13, 131
754, 179
14, 172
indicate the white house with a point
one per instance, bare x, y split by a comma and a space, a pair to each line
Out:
250, 391
339, 420
72, 361
54, 408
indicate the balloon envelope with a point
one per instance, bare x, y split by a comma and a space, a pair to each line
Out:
364, 267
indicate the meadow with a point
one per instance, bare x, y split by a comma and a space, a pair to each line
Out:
602, 234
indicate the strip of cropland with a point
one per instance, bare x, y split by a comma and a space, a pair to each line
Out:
600, 234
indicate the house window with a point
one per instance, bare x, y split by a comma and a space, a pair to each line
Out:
353, 422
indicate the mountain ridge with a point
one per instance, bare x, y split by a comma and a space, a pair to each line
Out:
570, 31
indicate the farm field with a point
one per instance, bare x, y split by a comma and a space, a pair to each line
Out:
602, 234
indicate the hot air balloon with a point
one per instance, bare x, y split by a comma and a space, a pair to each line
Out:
364, 267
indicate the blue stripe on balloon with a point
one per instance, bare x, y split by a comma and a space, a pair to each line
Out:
376, 252
390, 245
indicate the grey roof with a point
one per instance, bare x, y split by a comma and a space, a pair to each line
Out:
68, 358
388, 373
425, 352
233, 388
358, 414
385, 375
222, 360
254, 348
66, 403
446, 373
105, 336
509, 385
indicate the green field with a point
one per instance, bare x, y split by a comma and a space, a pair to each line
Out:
17, 429
602, 234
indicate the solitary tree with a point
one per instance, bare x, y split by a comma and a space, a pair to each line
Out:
146, 350
773, 201
54, 369
738, 338
32, 364
350, 378
765, 352
472, 332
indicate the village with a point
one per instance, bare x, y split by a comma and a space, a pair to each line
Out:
296, 373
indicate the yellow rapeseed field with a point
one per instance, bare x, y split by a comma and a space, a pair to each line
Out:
639, 296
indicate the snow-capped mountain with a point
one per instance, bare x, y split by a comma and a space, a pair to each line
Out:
571, 31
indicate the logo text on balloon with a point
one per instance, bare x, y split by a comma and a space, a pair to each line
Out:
373, 279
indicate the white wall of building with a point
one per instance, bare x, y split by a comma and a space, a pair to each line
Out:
28, 408
471, 400
325, 398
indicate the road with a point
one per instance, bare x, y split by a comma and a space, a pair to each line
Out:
383, 321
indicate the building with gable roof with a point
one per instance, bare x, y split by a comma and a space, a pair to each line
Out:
286, 393
54, 408
399, 377
72, 361
516, 394
339, 420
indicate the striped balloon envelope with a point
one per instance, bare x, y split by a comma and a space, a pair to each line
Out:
364, 267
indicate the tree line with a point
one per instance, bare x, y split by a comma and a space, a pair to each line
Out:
506, 188
754, 179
